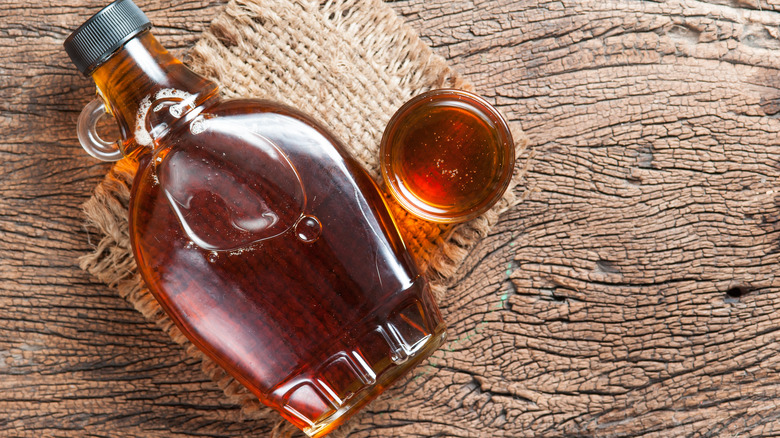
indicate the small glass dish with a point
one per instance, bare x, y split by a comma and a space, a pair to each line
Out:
447, 156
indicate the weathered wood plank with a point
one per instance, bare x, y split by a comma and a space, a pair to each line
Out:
632, 293
639, 287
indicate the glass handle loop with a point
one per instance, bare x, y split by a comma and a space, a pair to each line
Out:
88, 136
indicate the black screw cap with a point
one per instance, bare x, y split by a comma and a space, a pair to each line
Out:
104, 33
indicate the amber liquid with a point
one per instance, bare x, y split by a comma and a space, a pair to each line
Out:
447, 156
273, 251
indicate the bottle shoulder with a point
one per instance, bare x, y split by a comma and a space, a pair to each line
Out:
291, 129
243, 107
167, 119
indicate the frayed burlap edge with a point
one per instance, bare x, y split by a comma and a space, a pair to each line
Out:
248, 51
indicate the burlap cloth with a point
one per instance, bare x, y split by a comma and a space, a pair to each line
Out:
350, 64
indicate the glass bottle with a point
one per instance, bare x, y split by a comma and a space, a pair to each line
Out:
262, 239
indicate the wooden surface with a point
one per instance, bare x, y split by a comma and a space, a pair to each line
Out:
633, 293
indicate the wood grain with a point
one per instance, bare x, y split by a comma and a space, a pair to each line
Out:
632, 293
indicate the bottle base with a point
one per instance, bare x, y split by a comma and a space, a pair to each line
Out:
359, 366
422, 350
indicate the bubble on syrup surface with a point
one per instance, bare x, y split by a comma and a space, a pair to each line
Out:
308, 229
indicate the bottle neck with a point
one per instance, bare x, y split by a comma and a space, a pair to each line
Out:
135, 79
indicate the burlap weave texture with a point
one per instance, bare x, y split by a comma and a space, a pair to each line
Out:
349, 64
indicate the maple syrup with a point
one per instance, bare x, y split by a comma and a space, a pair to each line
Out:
447, 155
263, 240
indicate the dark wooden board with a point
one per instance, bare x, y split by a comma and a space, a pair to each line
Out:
632, 293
